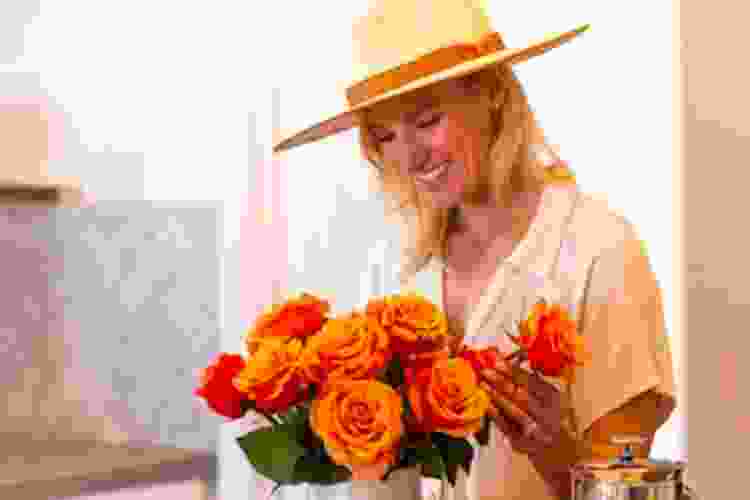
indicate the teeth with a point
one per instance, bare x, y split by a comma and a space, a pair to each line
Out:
433, 174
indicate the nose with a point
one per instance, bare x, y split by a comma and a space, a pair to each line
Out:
412, 154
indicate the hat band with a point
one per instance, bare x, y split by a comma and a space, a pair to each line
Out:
426, 65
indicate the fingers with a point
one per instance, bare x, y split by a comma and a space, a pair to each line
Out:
502, 383
511, 410
517, 393
506, 427
536, 385
503, 366
528, 439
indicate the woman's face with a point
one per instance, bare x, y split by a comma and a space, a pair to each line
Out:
436, 138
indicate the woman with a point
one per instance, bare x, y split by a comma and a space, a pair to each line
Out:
493, 228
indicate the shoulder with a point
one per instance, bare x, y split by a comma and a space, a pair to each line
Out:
597, 227
606, 251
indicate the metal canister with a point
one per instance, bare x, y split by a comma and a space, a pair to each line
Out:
630, 478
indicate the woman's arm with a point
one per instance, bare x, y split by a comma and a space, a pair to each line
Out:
642, 415
624, 327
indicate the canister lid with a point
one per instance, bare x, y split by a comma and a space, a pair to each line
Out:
628, 468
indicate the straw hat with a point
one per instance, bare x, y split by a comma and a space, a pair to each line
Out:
405, 45
27, 142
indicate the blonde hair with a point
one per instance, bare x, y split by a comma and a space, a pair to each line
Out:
510, 166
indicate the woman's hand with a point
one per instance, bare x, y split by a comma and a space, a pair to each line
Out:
528, 409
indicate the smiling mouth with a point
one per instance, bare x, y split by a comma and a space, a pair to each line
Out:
431, 175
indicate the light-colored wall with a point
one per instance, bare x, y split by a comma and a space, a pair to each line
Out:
716, 141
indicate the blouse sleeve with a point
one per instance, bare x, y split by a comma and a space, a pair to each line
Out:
623, 324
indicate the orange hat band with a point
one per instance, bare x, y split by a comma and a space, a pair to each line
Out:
434, 62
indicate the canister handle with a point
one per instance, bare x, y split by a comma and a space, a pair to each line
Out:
628, 440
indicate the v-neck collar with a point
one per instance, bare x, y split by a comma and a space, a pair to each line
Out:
529, 255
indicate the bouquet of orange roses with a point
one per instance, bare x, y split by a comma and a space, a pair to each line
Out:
355, 396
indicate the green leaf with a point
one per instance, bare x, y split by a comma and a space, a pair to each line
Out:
316, 467
296, 419
432, 462
273, 452
394, 373
455, 452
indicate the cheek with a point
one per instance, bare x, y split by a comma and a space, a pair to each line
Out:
451, 142
447, 142
443, 140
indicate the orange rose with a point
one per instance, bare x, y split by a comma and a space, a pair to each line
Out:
359, 422
447, 398
272, 377
414, 324
550, 340
354, 347
300, 317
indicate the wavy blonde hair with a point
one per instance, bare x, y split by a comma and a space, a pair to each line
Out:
509, 165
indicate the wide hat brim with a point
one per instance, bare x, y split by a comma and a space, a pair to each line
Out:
348, 119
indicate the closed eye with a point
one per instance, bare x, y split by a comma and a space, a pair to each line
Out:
383, 138
431, 122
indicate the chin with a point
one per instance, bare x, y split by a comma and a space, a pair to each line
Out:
442, 200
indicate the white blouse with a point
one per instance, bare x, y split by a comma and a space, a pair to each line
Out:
580, 253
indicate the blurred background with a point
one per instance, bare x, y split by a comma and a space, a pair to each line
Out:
166, 112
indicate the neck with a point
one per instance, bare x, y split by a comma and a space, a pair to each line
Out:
485, 222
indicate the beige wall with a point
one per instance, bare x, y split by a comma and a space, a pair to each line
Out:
716, 142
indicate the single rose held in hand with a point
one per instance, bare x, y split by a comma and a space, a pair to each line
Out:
360, 395
549, 339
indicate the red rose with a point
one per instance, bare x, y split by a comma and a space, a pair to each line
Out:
217, 387
415, 364
481, 358
297, 317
